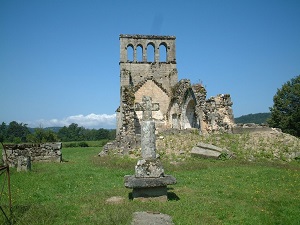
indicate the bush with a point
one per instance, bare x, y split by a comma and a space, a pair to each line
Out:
83, 144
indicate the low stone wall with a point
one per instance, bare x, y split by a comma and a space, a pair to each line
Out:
251, 127
47, 152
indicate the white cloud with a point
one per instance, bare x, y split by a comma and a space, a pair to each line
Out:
89, 121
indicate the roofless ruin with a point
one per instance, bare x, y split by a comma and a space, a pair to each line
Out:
176, 104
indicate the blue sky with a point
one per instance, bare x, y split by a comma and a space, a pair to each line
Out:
59, 59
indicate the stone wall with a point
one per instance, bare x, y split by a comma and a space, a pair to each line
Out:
241, 128
47, 152
218, 115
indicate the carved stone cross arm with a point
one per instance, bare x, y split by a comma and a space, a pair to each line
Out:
147, 107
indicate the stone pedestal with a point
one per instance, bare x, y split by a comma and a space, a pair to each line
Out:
159, 193
149, 188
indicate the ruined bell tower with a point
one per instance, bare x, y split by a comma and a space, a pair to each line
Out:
147, 68
137, 65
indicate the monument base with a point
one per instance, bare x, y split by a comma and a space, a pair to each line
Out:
150, 194
149, 188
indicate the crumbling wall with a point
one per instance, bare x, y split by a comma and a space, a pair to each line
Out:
182, 109
212, 115
47, 152
218, 115
126, 137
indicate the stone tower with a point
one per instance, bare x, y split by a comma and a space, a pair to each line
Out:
147, 68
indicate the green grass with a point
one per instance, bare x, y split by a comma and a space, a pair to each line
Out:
207, 192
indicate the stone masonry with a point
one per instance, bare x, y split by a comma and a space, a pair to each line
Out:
47, 152
182, 105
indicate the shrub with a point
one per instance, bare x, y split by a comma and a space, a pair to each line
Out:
83, 144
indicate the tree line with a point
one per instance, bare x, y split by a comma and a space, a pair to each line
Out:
16, 132
257, 118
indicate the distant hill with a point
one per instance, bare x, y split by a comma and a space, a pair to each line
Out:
257, 118
54, 129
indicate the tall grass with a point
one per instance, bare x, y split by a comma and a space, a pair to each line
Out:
207, 192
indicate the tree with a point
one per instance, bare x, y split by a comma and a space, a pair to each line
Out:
72, 133
17, 132
285, 113
3, 132
41, 135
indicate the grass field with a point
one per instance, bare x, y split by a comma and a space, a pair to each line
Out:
207, 192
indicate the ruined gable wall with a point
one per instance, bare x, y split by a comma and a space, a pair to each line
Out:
163, 73
158, 95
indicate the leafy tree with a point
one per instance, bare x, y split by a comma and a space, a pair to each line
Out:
112, 134
41, 135
72, 133
3, 132
17, 132
285, 113
75, 133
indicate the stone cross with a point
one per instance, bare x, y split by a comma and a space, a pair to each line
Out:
147, 107
147, 127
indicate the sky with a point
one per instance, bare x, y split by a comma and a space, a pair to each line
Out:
59, 59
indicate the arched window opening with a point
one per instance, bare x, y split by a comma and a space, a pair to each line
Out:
139, 53
163, 52
150, 52
190, 116
130, 53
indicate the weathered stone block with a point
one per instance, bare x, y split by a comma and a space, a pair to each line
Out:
148, 139
149, 218
209, 151
205, 153
139, 182
149, 168
24, 163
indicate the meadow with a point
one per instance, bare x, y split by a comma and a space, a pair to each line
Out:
207, 191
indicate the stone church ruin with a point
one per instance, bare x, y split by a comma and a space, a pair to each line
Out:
148, 68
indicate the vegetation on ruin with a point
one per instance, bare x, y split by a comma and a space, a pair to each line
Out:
236, 191
272, 145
